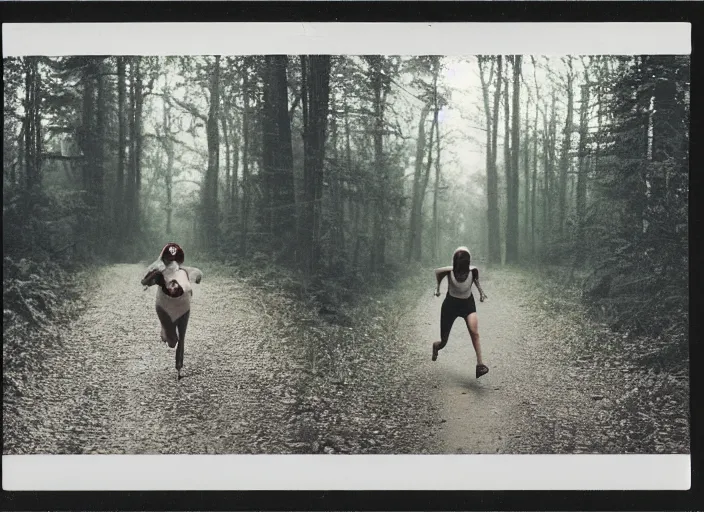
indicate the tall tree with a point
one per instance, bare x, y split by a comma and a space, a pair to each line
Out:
336, 180
133, 183
436, 188
32, 123
210, 211
246, 177
581, 201
526, 174
424, 66
121, 148
534, 181
317, 89
100, 136
137, 138
225, 127
424, 183
167, 143
508, 160
564, 155
492, 122
378, 75
512, 176
88, 132
550, 166
277, 156
415, 225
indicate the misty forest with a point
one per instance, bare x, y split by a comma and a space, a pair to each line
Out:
317, 194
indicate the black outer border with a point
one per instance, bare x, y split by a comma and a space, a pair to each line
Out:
99, 11
60, 11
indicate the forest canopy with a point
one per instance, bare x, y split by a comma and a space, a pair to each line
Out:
354, 166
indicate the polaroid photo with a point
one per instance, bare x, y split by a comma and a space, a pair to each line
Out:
346, 256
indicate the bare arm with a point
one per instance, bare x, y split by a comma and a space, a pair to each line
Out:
194, 274
440, 274
482, 295
150, 278
153, 271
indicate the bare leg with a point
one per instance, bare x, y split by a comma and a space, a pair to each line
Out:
447, 318
181, 324
168, 328
473, 326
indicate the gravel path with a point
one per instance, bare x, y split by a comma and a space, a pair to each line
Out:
111, 386
265, 373
478, 415
558, 383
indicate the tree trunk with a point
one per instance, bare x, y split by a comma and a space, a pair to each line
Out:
28, 122
378, 246
512, 206
168, 145
130, 217
546, 180
526, 178
101, 140
534, 181
36, 95
564, 156
338, 212
315, 125
508, 176
277, 153
285, 214
268, 144
234, 182
32, 124
494, 228
424, 186
415, 219
581, 202
121, 147
246, 192
211, 219
550, 166
353, 195
137, 136
436, 222
228, 158
87, 139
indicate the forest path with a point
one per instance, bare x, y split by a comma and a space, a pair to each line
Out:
263, 374
487, 415
559, 381
111, 386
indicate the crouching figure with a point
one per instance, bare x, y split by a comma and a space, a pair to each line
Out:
173, 296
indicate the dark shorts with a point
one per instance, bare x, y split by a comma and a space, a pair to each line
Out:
452, 308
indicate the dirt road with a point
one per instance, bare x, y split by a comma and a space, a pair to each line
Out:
272, 376
557, 383
478, 415
111, 386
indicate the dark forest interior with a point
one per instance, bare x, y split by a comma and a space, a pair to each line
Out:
314, 164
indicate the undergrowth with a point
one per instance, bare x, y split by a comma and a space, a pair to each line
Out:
328, 292
39, 299
637, 317
649, 367
341, 331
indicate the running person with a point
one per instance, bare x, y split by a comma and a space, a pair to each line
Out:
173, 298
459, 302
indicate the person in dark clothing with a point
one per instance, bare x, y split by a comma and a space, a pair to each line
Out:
459, 302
